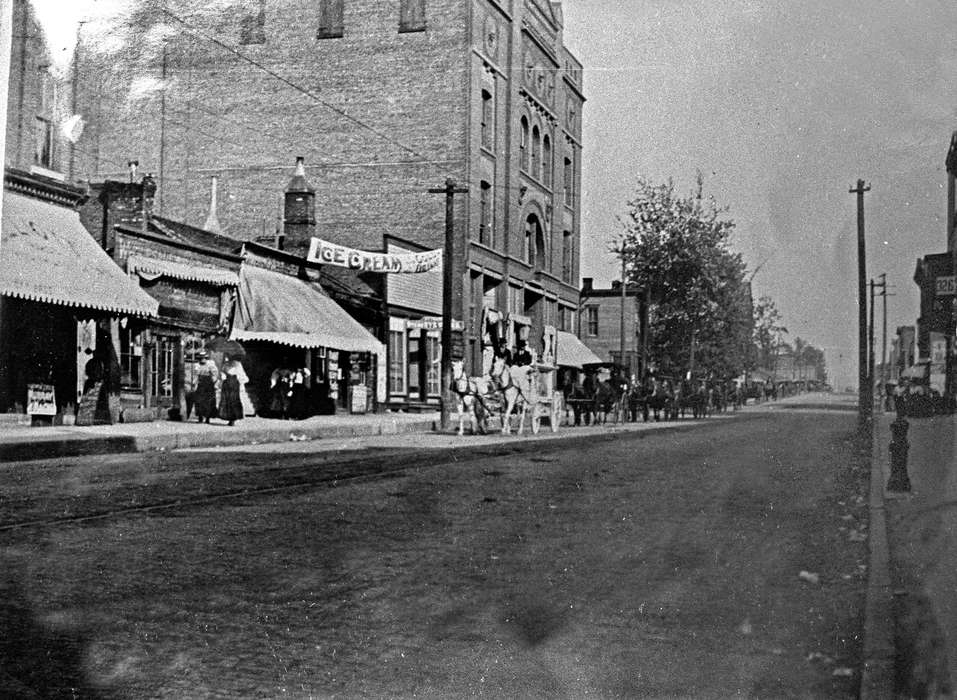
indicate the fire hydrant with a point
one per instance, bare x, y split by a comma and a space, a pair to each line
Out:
899, 481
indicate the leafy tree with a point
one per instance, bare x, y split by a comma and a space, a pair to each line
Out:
679, 248
768, 331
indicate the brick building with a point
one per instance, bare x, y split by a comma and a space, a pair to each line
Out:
385, 100
600, 323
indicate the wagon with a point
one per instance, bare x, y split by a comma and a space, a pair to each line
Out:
546, 402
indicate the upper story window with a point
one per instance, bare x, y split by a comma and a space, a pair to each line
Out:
488, 120
411, 15
569, 175
591, 321
330, 19
536, 152
485, 213
546, 161
523, 146
43, 143
568, 250
252, 27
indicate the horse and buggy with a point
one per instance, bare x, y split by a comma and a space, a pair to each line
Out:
519, 390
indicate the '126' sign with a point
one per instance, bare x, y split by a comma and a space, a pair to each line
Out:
944, 286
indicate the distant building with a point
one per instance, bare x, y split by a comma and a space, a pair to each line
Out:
385, 101
600, 319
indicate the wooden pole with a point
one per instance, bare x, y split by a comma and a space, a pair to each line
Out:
864, 402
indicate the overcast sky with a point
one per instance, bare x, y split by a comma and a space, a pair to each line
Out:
782, 106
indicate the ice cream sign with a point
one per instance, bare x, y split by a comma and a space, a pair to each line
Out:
327, 253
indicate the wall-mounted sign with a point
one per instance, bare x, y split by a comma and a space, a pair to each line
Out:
41, 400
431, 323
326, 253
944, 286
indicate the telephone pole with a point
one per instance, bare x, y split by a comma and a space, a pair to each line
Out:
865, 400
450, 190
621, 356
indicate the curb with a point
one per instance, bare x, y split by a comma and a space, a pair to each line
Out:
877, 676
62, 447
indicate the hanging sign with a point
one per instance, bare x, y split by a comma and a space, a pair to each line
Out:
321, 251
944, 286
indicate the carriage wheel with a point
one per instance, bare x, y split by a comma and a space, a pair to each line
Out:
555, 416
536, 419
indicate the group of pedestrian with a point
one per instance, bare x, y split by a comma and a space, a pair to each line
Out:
290, 390
228, 380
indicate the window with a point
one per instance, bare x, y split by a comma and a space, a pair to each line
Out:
131, 358
535, 252
433, 352
396, 362
43, 143
547, 161
515, 301
162, 367
523, 146
415, 363
536, 154
568, 249
528, 249
591, 320
412, 15
485, 212
564, 318
488, 121
330, 19
569, 179
252, 27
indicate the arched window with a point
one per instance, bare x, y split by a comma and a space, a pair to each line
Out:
485, 213
488, 123
534, 243
547, 161
523, 146
536, 154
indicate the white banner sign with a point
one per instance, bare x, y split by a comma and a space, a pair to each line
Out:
321, 251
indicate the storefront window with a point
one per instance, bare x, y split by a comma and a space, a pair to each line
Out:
161, 372
131, 358
415, 361
397, 362
432, 375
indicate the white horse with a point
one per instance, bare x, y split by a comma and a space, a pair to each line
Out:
517, 387
470, 393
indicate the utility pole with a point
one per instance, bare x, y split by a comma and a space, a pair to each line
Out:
621, 356
870, 346
865, 390
450, 190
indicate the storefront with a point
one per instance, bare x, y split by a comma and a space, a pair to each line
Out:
63, 299
195, 289
293, 331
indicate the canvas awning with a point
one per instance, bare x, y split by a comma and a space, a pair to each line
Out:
47, 255
572, 352
151, 268
282, 309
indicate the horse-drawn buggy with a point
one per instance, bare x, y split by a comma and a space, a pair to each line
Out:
519, 390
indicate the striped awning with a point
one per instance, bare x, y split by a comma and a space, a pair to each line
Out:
571, 352
281, 309
151, 268
46, 255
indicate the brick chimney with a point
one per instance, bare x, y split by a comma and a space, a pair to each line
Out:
113, 203
299, 212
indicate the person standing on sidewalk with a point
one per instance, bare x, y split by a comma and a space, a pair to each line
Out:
204, 391
231, 405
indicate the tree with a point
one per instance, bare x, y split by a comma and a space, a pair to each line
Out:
768, 331
679, 249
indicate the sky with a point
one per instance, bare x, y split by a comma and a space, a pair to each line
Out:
782, 106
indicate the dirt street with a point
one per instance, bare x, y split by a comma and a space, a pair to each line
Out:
724, 560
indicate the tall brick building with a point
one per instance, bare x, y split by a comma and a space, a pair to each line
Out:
384, 99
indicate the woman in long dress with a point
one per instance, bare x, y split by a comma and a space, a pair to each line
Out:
230, 403
204, 391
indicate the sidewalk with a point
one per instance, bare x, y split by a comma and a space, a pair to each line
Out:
912, 595
22, 443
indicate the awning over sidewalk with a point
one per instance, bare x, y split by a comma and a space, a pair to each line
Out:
151, 268
46, 255
281, 309
572, 352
